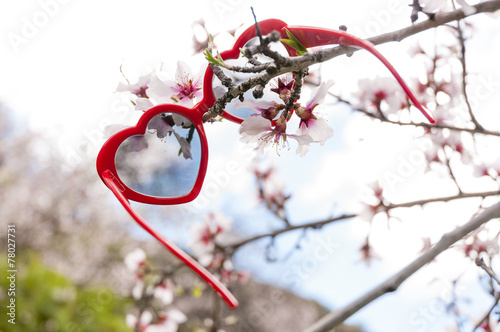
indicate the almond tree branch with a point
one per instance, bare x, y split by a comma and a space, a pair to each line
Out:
314, 225
437, 20
443, 199
318, 224
423, 125
335, 318
295, 64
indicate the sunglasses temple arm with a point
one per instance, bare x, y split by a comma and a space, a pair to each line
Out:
179, 253
311, 37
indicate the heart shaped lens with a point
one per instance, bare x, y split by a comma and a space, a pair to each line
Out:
165, 161
246, 109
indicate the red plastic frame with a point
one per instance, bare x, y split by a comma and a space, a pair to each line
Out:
106, 168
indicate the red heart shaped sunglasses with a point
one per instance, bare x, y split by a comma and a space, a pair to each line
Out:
163, 159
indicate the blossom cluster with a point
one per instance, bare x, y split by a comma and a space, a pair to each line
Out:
271, 190
151, 90
442, 91
375, 204
268, 125
160, 289
208, 239
155, 289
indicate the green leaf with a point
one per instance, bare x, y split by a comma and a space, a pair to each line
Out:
218, 61
294, 43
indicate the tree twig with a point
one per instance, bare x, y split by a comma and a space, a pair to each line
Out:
257, 28
462, 58
480, 262
443, 199
415, 124
487, 314
335, 318
314, 225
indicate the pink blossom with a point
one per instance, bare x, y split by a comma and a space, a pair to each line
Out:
143, 104
184, 90
138, 288
490, 324
454, 140
160, 126
139, 88
165, 291
310, 124
496, 166
426, 244
430, 6
284, 87
431, 155
452, 86
266, 109
319, 130
475, 246
378, 191
229, 274
185, 146
486, 170
167, 321
375, 203
145, 319
466, 8
215, 227
416, 49
260, 130
367, 253
135, 260
380, 94
188, 86
368, 211
480, 170
136, 263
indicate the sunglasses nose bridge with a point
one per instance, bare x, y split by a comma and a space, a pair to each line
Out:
202, 108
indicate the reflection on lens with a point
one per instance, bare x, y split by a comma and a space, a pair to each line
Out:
234, 108
165, 161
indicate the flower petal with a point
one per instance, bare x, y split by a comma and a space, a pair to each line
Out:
255, 126
143, 104
304, 141
319, 94
160, 91
135, 259
185, 146
160, 125
254, 105
319, 130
